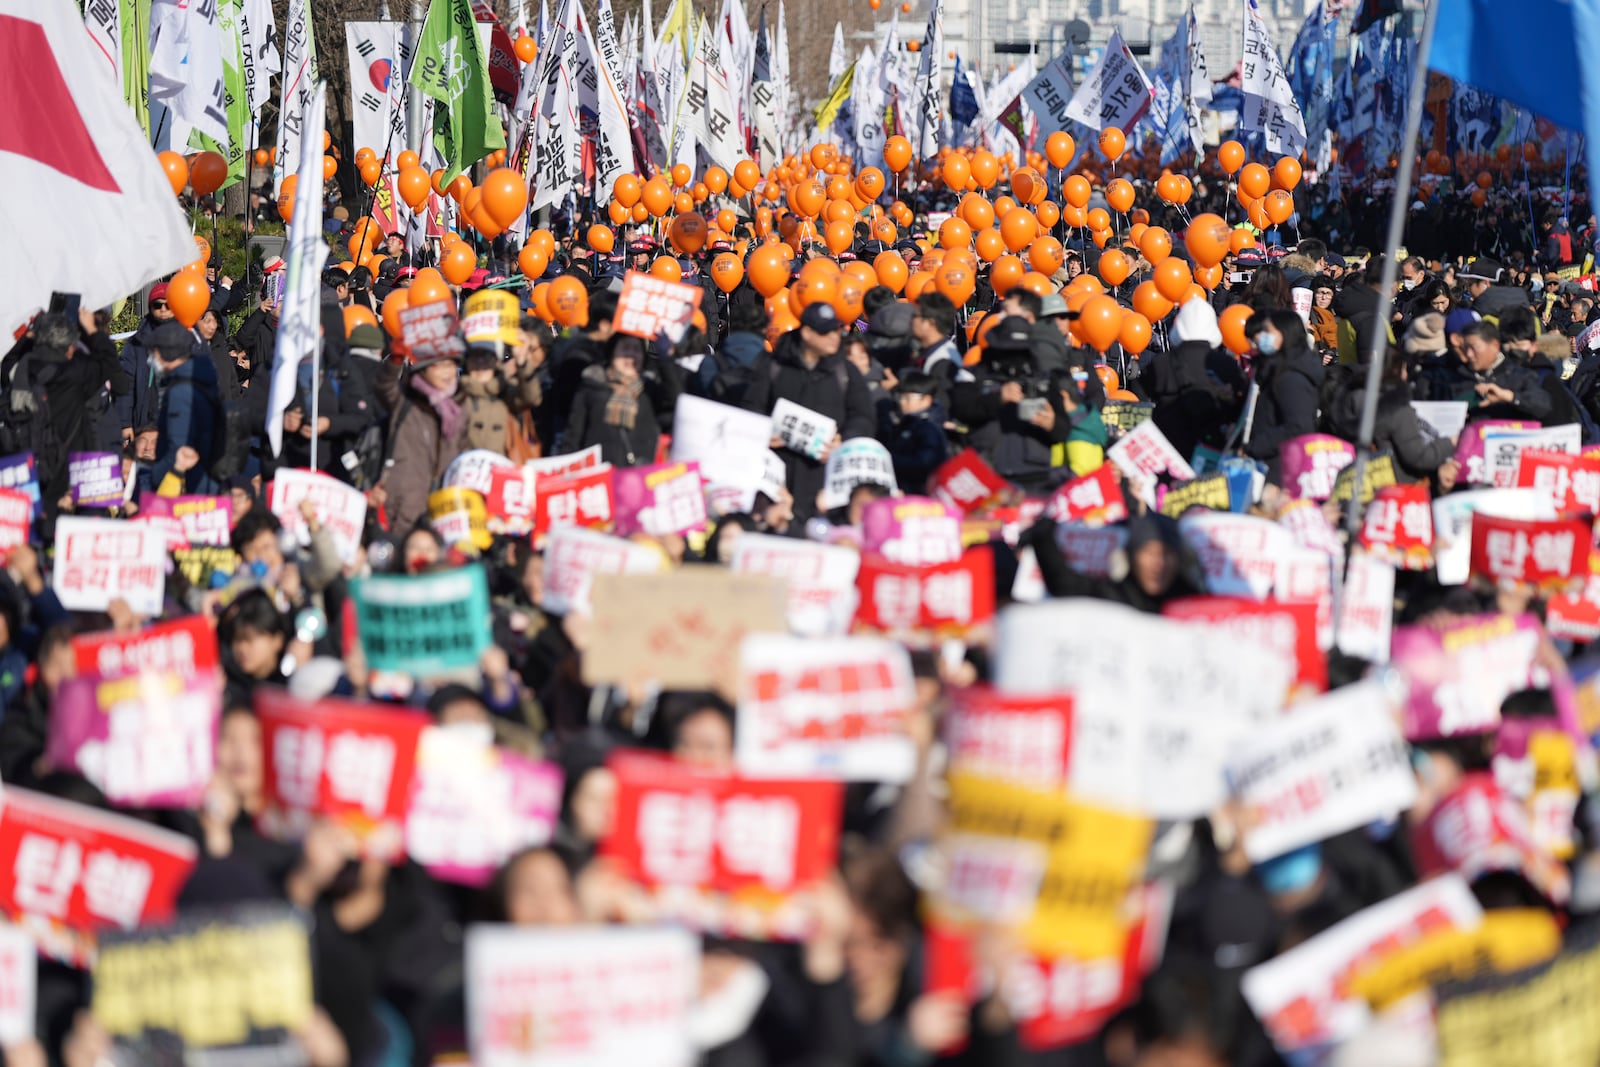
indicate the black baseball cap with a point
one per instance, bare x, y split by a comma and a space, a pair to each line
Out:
821, 318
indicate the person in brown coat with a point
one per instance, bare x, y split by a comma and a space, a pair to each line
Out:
427, 430
494, 399
1324, 326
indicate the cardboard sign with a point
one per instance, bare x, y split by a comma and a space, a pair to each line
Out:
1022, 739
649, 307
1210, 491
94, 479
1398, 527
432, 331
1459, 674
204, 520
1573, 482
721, 849
1376, 473
572, 558
820, 579
1095, 498
1303, 997
680, 629
915, 530
802, 430
1546, 553
1503, 448
341, 509
352, 762
474, 806
1366, 610
581, 498
73, 869
946, 599
831, 708
666, 499
1444, 418
1288, 629
1311, 464
585, 996
424, 624
20, 474
1238, 553
146, 741
1452, 524
729, 443
1335, 764
967, 482
19, 970
1470, 446
859, 461
218, 983
16, 521
101, 560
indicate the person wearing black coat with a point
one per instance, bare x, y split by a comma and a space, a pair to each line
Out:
257, 338
216, 340
1190, 403
1154, 553
613, 409
1502, 388
1417, 452
1290, 376
346, 406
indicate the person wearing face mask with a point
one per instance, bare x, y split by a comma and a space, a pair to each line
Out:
1290, 376
426, 432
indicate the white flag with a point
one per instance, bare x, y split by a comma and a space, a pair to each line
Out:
258, 37
103, 18
299, 77
300, 318
1194, 80
1116, 93
837, 60
186, 69
928, 99
869, 133
1269, 104
613, 143
379, 54
707, 110
654, 113
556, 149
101, 219
780, 75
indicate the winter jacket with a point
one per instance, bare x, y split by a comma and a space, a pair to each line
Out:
1084, 450
73, 390
741, 349
1190, 406
916, 443
570, 357
418, 453
1417, 452
833, 388
187, 413
1324, 328
1287, 405
342, 399
1529, 399
494, 405
137, 407
257, 337
619, 445
1498, 299
227, 370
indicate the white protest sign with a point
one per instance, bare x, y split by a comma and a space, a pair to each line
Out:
803, 430
834, 708
1452, 523
1116, 93
340, 508
821, 579
729, 443
1238, 553
1331, 765
587, 996
1503, 448
19, 968
101, 560
574, 555
1366, 610
474, 469
1444, 417
859, 461
1144, 452
1305, 576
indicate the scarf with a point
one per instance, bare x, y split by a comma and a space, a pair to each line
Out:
622, 406
450, 415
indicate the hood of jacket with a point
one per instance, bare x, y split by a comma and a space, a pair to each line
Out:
1197, 321
744, 348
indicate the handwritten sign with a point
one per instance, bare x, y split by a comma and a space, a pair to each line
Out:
1311, 464
649, 307
340, 508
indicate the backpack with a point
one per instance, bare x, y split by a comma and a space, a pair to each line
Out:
25, 415
731, 384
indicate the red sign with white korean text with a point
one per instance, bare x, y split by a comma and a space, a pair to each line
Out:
1575, 616
1289, 629
965, 482
1545, 553
649, 307
16, 519
353, 762
581, 498
1572, 481
1023, 739
509, 500
432, 331
1398, 527
946, 598
185, 646
1096, 498
73, 868
699, 838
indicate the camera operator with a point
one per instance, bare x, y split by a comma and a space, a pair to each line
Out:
1011, 413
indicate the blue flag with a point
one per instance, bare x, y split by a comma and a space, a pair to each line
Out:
963, 101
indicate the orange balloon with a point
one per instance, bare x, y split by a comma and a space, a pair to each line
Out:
688, 233
413, 186
358, 315
1046, 255
985, 169
1231, 323
459, 187
955, 172
1479, 197
1240, 241
1134, 336
1059, 149
1100, 321
954, 233
1112, 142
569, 301
1279, 205
393, 304
1006, 274
1185, 189
666, 268
177, 170
1099, 219
716, 180
891, 270
626, 190
533, 262
977, 212
727, 272
657, 197
1115, 268
1286, 173
1148, 301
1075, 216
681, 173
768, 270
188, 296
371, 171
1255, 179
1155, 244
428, 287
1207, 238
208, 171
746, 173
1035, 282
1047, 214
897, 153
505, 196
1209, 277
1257, 213
526, 49
839, 236
1172, 278
1077, 191
991, 246
1119, 194
544, 241
955, 281
601, 239
807, 199
638, 213
458, 264
262, 157
1231, 156
1018, 228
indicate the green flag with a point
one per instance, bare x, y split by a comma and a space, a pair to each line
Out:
451, 67
136, 59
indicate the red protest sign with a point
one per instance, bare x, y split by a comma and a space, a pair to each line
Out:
1398, 527
1572, 481
649, 307
1289, 629
1575, 616
1546, 553
1023, 739
509, 499
351, 761
432, 331
580, 498
1095, 498
965, 482
16, 519
945, 597
184, 646
75, 868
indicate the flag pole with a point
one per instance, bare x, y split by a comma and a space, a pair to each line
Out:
1391, 272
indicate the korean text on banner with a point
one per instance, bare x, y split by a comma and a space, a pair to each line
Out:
16, 521
921, 604
586, 996
218, 982
576, 498
1239, 554
649, 307
1573, 482
95, 479
1312, 462
432, 331
205, 520
101, 560
1452, 523
340, 508
1289, 629
859, 461
572, 558
967, 482
681, 629
423, 624
1026, 740
184, 646
820, 579
1460, 673
913, 530
668, 498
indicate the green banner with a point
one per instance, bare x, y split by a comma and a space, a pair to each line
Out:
238, 101
451, 67
136, 59
425, 624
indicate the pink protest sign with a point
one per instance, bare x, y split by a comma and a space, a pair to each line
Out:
205, 520
1312, 462
668, 498
1469, 446
912, 529
1459, 674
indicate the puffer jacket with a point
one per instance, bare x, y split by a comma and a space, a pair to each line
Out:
492, 406
418, 453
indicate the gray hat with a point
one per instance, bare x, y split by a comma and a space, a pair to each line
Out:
1481, 269
892, 320
1054, 306
821, 318
1426, 334
173, 340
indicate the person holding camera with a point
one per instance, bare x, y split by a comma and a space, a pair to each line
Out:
1014, 419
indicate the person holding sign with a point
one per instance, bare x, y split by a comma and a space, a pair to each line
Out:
427, 430
615, 410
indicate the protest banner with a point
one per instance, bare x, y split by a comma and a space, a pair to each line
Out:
1120, 416
650, 307
1305, 576
185, 646
1311, 464
1536, 761
473, 806
1337, 763
967, 482
509, 501
1452, 523
19, 969
1508, 939
1398, 527
1303, 996
1239, 554
1366, 610
204, 520
1060, 871
1022, 739
587, 996
225, 985
94, 479
665, 499
146, 741
1573, 482
75, 870
16, 521
1376, 473
1459, 673
475, 469
1445, 418
1207, 491
1088, 550
680, 629
1546, 1014
719, 850
820, 579
834, 708
1470, 446
915, 530
921, 603
1547, 553
580, 498
432, 331
101, 560
729, 443
801, 429
1096, 499
1289, 629
1503, 448
1479, 829
1311, 528
341, 509
1575, 615
1143, 454
19, 473
423, 624
573, 556
459, 517
859, 461
348, 761
206, 568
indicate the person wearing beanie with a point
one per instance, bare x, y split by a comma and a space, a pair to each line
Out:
1191, 404
1433, 370
1151, 565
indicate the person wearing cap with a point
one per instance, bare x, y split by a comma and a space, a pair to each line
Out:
912, 426
1483, 277
808, 371
189, 409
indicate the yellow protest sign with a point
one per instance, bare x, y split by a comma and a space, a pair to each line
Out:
459, 517
1547, 1016
1505, 941
1209, 491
